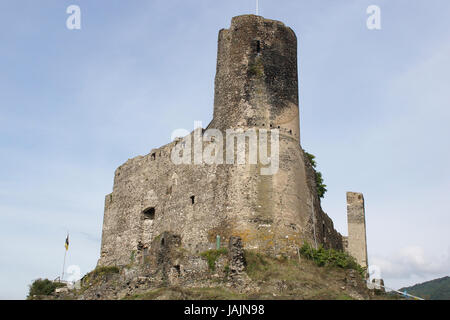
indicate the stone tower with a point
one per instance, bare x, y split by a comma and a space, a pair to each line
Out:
356, 241
256, 81
256, 88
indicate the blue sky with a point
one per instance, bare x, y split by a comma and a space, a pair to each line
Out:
75, 104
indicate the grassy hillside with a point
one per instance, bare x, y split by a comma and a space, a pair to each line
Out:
438, 289
314, 274
273, 278
323, 276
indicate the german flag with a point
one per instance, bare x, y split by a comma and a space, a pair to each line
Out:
67, 243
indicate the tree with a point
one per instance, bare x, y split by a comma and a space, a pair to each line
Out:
43, 287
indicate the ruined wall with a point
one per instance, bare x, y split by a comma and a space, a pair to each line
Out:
356, 240
321, 224
256, 87
153, 181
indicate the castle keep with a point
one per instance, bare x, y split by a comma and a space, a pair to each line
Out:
256, 88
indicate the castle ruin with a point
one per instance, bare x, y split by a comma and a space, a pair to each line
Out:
356, 240
256, 89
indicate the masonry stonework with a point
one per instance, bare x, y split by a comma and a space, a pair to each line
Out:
256, 88
356, 240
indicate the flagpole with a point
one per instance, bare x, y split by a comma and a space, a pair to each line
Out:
257, 7
66, 247
64, 264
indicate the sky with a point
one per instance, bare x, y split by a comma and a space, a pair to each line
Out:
76, 104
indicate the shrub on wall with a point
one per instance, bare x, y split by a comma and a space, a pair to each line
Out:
330, 257
321, 187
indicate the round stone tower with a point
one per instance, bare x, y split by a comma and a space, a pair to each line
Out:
256, 81
256, 87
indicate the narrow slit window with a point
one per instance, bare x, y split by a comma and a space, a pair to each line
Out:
192, 199
258, 47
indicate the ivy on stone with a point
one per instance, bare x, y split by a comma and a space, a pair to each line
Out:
320, 186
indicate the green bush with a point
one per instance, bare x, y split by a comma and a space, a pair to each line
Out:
212, 255
330, 257
43, 287
320, 186
104, 270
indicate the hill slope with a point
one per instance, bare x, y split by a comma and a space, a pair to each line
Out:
265, 278
438, 289
172, 272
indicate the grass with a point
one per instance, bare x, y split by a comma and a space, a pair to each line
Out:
261, 267
214, 293
149, 295
331, 258
96, 276
318, 274
212, 255
293, 278
220, 293
257, 264
104, 270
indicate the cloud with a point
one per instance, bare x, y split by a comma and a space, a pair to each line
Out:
410, 262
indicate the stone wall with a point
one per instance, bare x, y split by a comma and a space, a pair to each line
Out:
256, 87
356, 241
